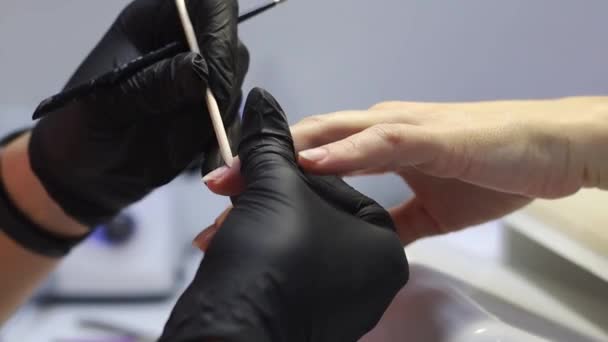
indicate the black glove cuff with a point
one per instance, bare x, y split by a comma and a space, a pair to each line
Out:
23, 231
27, 234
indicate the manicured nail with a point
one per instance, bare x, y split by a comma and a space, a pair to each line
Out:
314, 155
216, 174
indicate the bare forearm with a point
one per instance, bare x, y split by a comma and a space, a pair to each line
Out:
21, 270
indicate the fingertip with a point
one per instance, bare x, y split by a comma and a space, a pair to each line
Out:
226, 181
316, 168
216, 174
227, 187
314, 156
265, 133
300, 140
326, 161
202, 240
219, 221
264, 115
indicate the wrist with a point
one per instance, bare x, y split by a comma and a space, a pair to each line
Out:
29, 196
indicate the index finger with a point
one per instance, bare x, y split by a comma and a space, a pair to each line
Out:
318, 130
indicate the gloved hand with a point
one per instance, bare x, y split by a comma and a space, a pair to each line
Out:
129, 132
148, 25
110, 140
297, 259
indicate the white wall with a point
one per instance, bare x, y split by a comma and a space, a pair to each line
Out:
319, 55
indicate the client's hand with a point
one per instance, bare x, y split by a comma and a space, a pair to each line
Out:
297, 259
467, 163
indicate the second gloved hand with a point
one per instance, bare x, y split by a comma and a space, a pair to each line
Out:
111, 143
297, 259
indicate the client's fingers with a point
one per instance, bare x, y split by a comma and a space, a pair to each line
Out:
204, 238
325, 129
385, 146
266, 142
226, 181
319, 130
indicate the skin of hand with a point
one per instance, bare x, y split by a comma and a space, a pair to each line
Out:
467, 163
22, 271
299, 258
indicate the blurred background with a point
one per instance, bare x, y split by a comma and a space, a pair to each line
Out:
315, 56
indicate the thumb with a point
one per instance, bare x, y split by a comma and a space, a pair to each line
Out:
266, 141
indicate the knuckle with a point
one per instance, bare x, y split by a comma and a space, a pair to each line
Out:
389, 133
350, 145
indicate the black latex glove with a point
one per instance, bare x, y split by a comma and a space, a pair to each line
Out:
107, 141
297, 259
131, 131
148, 25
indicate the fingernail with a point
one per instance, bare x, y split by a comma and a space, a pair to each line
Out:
314, 155
216, 174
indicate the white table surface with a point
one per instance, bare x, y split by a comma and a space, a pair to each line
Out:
486, 257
